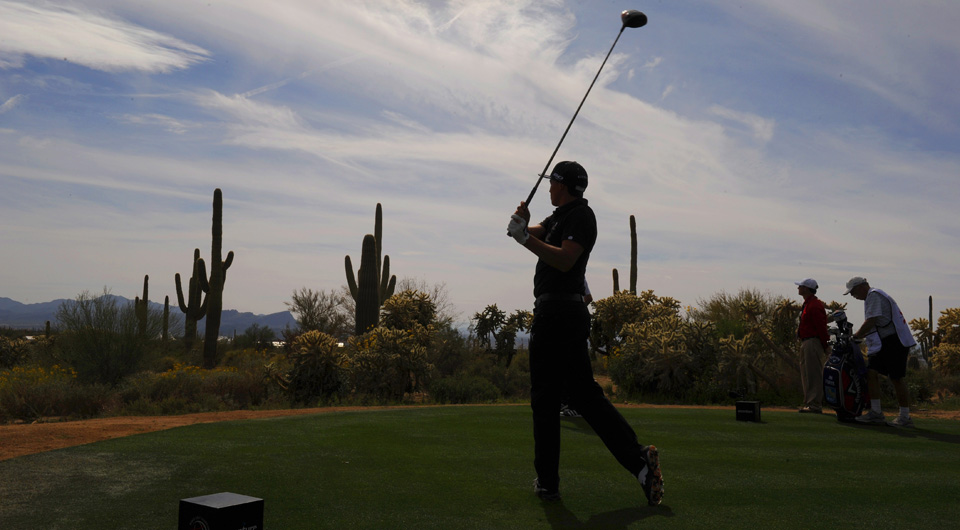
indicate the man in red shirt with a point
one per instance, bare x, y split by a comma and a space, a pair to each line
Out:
813, 337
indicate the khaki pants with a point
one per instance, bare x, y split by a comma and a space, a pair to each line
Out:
811, 373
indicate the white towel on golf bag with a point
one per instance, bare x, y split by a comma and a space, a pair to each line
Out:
899, 322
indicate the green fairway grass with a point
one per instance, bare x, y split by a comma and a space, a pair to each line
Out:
471, 467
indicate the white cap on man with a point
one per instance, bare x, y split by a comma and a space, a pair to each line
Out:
809, 283
855, 281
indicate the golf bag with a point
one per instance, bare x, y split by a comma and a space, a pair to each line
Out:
844, 374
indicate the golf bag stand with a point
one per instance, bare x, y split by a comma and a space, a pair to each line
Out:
844, 374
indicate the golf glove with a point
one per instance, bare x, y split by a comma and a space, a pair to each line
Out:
518, 229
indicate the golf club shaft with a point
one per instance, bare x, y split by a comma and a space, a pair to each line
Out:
547, 167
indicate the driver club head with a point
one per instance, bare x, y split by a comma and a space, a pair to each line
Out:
632, 18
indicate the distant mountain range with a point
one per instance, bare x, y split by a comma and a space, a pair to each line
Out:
17, 315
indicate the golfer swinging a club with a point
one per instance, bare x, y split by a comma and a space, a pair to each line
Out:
559, 359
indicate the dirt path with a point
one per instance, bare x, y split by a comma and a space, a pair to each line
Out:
25, 439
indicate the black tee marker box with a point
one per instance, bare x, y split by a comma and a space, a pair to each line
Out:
221, 511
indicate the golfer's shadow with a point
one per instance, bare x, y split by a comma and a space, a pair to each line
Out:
576, 424
917, 432
560, 517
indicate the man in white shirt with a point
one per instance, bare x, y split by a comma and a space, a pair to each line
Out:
889, 340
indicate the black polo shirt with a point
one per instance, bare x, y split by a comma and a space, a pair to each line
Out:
573, 221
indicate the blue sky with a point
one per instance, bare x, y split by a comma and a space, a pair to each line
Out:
757, 143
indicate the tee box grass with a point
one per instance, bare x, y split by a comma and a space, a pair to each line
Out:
471, 467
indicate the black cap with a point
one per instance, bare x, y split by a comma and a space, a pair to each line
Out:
572, 175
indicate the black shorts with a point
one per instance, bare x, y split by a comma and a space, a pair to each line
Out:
891, 360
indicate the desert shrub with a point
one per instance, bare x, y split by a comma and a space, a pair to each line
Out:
256, 337
922, 384
321, 311
448, 351
463, 388
951, 384
181, 381
948, 327
408, 309
517, 378
101, 340
611, 314
235, 388
187, 388
653, 357
171, 405
32, 392
493, 325
512, 381
42, 351
945, 358
317, 368
13, 351
386, 363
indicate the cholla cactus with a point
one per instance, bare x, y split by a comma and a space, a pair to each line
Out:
319, 369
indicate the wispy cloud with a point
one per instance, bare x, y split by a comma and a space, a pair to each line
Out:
760, 128
878, 47
157, 120
64, 32
11, 103
249, 112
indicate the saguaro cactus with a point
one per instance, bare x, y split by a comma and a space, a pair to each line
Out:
218, 275
373, 283
633, 254
166, 318
140, 308
196, 306
633, 260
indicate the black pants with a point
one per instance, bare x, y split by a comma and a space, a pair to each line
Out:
560, 367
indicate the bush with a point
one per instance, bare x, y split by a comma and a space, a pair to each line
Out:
945, 358
257, 337
407, 310
922, 384
12, 351
653, 357
317, 368
101, 340
186, 388
463, 388
448, 351
32, 393
516, 382
386, 363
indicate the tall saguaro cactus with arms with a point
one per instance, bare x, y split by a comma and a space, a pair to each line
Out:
373, 283
218, 275
195, 307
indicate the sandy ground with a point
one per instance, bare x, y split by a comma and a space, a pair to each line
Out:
25, 439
